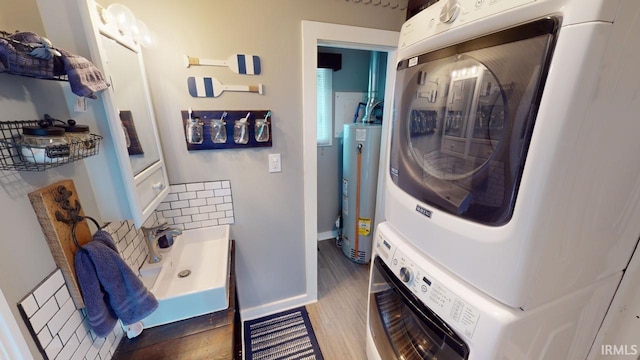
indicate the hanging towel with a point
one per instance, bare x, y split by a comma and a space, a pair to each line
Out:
109, 287
85, 79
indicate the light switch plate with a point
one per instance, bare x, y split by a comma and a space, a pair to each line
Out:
275, 165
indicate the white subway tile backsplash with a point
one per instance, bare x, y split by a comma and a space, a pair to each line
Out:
190, 211
213, 185
177, 188
61, 317
226, 221
200, 217
179, 204
198, 204
94, 348
82, 349
192, 225
53, 348
187, 195
182, 219
44, 314
62, 331
210, 223
164, 206
49, 287
171, 197
217, 215
216, 200
68, 349
29, 305
207, 209
122, 231
44, 337
62, 296
195, 186
205, 194
171, 214
222, 192
104, 349
70, 327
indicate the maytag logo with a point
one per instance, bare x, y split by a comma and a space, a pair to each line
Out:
423, 211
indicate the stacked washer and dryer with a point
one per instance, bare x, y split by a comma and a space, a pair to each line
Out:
513, 182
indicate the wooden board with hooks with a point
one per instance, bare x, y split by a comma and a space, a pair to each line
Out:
48, 201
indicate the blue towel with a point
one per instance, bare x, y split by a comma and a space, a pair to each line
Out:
109, 287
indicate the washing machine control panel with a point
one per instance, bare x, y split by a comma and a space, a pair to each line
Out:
456, 312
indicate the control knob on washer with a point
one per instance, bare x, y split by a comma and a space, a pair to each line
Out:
406, 274
450, 11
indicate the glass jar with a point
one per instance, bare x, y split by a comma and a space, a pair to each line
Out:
195, 131
43, 144
219, 131
79, 137
241, 131
262, 130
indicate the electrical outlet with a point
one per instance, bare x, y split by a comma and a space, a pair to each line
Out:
275, 165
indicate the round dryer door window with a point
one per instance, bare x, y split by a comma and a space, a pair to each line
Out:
463, 121
470, 120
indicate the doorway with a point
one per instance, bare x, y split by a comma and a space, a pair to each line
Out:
316, 34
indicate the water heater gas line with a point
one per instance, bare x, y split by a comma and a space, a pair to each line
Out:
358, 180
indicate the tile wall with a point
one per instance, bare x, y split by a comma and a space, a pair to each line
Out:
199, 204
61, 331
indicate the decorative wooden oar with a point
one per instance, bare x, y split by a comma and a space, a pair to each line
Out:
238, 63
211, 87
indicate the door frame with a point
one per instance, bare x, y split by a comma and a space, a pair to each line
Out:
316, 34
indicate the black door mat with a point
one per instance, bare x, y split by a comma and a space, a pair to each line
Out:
287, 335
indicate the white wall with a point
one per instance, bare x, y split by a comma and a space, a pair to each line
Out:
269, 212
25, 259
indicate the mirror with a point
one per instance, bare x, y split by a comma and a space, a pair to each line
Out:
127, 86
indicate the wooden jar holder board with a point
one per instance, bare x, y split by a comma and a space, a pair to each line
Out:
46, 202
206, 116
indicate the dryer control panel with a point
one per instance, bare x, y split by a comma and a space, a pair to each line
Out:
444, 15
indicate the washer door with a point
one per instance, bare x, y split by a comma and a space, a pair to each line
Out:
464, 117
403, 327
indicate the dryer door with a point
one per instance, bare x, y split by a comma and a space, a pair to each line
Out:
464, 117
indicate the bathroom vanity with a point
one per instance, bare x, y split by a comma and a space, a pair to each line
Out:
211, 336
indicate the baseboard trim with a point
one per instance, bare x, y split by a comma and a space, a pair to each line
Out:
275, 307
326, 235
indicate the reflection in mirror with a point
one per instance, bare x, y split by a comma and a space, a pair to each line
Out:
127, 85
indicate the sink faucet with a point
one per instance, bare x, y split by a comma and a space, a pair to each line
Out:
152, 235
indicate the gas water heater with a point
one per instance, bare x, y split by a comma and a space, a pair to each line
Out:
361, 152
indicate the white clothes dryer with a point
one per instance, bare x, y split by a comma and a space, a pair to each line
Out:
419, 310
514, 155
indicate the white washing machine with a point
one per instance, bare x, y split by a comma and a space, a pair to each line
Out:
513, 155
418, 310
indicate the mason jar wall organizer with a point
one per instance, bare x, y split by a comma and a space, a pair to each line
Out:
221, 129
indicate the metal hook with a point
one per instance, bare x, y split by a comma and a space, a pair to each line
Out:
73, 228
73, 212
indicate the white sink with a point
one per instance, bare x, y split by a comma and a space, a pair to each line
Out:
204, 255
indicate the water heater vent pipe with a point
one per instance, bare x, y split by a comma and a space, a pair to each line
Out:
372, 102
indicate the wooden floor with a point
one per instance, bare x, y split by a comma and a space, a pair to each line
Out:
339, 317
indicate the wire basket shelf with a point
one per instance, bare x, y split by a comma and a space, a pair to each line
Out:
21, 157
16, 59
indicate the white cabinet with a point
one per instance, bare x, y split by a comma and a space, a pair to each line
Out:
128, 177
